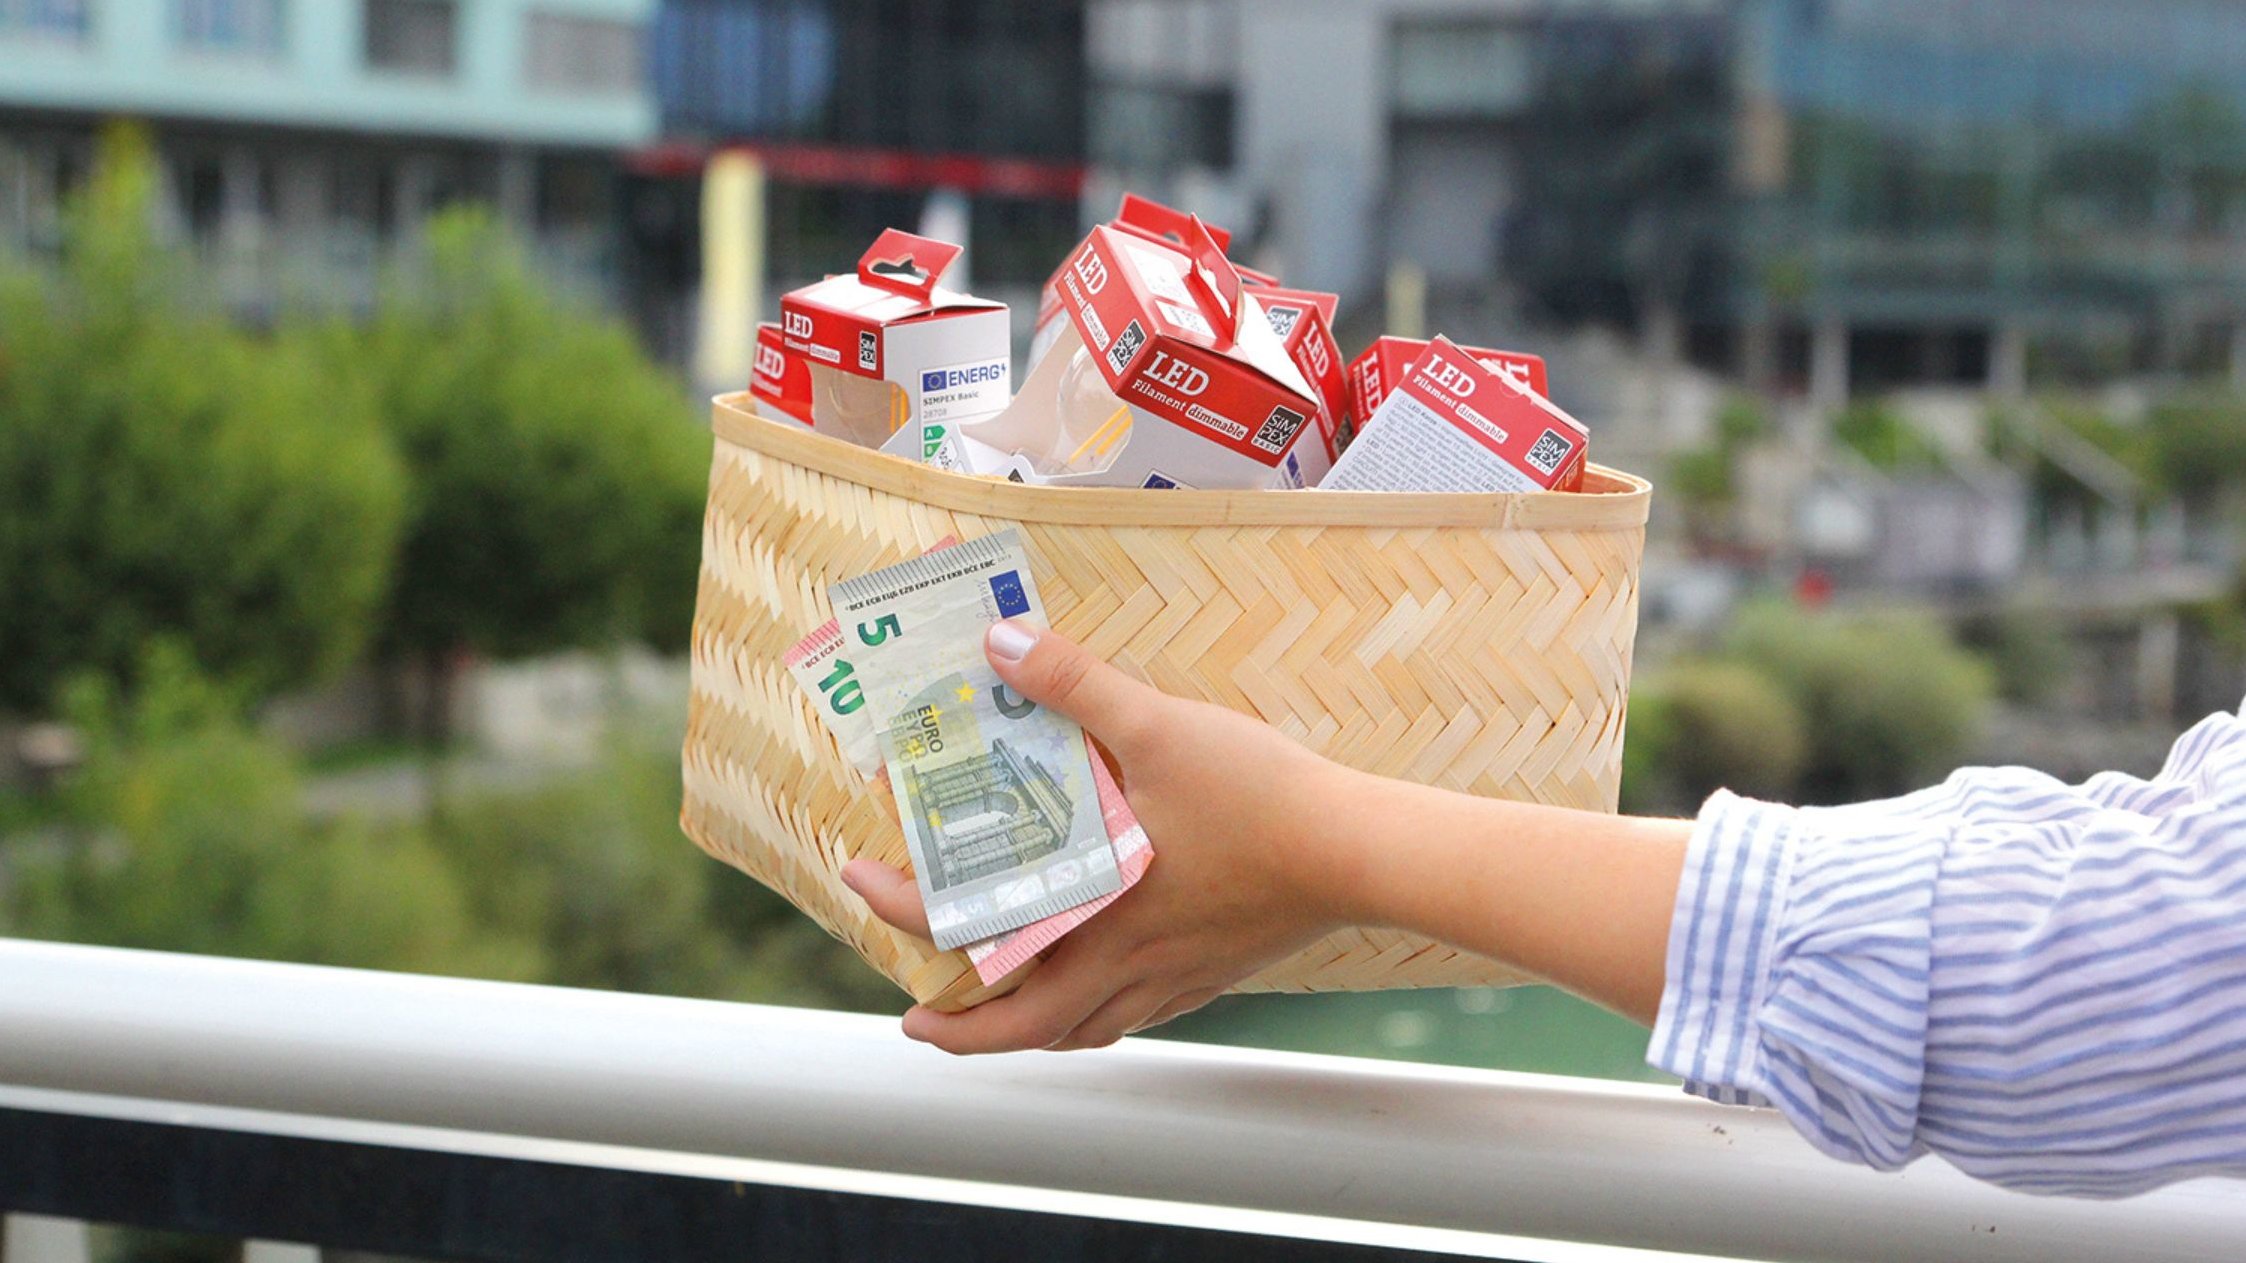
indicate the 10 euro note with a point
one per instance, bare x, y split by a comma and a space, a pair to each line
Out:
996, 793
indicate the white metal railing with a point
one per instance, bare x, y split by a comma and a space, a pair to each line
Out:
1265, 1142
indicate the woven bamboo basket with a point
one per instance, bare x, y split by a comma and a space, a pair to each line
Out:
1476, 642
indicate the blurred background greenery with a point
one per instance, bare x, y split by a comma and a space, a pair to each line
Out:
198, 520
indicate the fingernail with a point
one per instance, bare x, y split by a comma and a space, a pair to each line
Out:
1010, 641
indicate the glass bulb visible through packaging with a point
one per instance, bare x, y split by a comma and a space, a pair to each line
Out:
861, 410
1091, 424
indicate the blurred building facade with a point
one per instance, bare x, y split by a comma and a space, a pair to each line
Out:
303, 140
862, 113
1819, 195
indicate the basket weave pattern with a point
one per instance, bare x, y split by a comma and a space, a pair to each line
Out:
1480, 643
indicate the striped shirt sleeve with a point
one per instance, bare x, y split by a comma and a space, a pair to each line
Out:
2043, 983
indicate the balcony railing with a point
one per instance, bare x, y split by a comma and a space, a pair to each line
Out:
460, 1119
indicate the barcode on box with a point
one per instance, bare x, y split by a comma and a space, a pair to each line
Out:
1127, 344
1548, 452
1278, 430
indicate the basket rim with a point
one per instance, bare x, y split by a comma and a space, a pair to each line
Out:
1614, 500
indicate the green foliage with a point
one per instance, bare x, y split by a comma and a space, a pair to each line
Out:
593, 870
1705, 479
557, 475
2199, 444
2028, 653
1701, 476
1882, 437
161, 473
1705, 725
185, 831
1889, 701
1742, 421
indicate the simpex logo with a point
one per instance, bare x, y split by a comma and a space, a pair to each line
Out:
1092, 270
798, 324
963, 377
1452, 379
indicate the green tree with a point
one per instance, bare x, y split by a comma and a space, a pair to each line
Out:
1883, 437
1702, 725
161, 473
594, 871
557, 474
185, 831
1889, 701
2199, 445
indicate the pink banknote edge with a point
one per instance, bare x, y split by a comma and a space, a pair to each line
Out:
994, 958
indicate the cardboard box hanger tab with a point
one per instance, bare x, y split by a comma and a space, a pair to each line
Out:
905, 264
1151, 219
1214, 274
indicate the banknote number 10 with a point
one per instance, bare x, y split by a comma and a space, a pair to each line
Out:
842, 692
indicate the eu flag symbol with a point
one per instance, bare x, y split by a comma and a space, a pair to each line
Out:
1008, 589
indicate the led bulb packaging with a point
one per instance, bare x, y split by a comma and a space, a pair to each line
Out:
779, 381
1304, 321
896, 361
1380, 368
1456, 422
1167, 374
1141, 217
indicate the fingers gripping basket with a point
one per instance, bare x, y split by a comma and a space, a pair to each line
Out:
1476, 642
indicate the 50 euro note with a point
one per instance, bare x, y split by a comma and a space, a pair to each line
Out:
996, 794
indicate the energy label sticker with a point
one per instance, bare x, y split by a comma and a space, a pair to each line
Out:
963, 391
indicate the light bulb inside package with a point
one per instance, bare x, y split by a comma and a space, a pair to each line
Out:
861, 410
1087, 427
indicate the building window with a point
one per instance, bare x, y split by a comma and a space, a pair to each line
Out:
53, 19
590, 56
412, 36
250, 28
1461, 69
1145, 127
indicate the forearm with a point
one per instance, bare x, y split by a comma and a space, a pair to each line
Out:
1576, 897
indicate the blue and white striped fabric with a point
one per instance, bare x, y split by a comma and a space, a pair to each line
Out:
2044, 984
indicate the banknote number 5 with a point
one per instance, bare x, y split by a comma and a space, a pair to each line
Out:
842, 692
880, 629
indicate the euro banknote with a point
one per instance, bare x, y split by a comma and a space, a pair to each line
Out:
994, 958
996, 793
829, 677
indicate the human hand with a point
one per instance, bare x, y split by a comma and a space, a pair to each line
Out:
1247, 827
